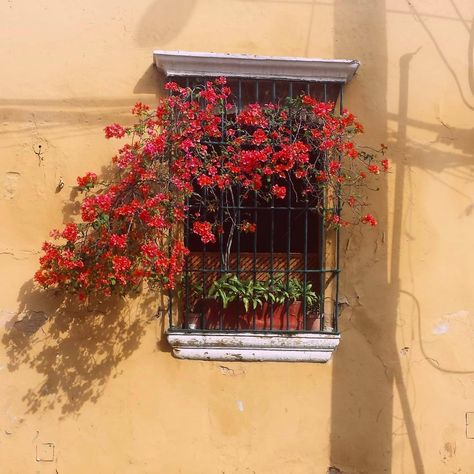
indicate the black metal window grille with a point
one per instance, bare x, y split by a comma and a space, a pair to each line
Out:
288, 247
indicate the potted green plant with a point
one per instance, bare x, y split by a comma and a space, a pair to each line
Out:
231, 301
235, 303
286, 304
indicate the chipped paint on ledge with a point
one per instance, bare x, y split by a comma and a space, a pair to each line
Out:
297, 347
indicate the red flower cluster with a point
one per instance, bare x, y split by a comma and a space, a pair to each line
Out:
127, 234
279, 191
204, 230
248, 227
87, 181
114, 131
369, 219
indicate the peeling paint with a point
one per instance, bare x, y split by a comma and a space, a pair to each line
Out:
10, 184
240, 405
441, 328
230, 371
299, 347
448, 451
443, 325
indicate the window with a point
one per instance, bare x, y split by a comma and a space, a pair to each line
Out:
275, 255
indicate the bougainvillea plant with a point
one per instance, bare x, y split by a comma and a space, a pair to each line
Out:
195, 144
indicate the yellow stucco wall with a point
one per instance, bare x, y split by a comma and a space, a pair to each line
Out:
101, 385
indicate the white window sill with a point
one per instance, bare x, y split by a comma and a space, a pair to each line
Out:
296, 347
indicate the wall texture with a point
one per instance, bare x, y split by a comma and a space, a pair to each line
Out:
97, 390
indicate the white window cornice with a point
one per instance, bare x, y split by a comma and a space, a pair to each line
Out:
197, 64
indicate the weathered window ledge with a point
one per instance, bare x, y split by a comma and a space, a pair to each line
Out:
296, 347
193, 64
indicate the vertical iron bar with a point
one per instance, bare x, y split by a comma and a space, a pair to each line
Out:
272, 232
239, 99
305, 305
204, 264
338, 238
322, 245
254, 261
254, 312
288, 257
187, 274
170, 236
238, 230
221, 249
290, 92
186, 267
305, 262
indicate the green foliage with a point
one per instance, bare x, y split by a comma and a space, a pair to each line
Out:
253, 293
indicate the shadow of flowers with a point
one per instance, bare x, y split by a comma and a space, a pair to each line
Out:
75, 350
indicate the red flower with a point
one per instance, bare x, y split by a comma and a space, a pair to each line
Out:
321, 177
259, 137
121, 264
114, 131
204, 230
248, 227
119, 241
369, 219
252, 115
171, 86
140, 108
204, 180
70, 232
87, 181
334, 167
279, 191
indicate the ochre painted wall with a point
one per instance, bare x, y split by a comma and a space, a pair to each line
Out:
100, 385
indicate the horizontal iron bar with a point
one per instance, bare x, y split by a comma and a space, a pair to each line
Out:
260, 331
269, 208
262, 270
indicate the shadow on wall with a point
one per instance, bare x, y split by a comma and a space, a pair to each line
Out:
162, 21
152, 82
368, 373
74, 351
362, 389
47, 119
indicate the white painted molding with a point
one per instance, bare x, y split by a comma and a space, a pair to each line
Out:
186, 63
239, 346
